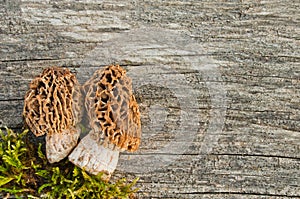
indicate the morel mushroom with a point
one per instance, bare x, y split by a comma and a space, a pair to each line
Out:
52, 107
114, 119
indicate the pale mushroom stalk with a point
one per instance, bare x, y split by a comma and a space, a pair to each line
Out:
52, 107
114, 118
94, 157
59, 145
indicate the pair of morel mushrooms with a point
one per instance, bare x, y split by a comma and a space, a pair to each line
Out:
55, 104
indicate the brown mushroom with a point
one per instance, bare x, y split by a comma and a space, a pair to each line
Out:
114, 119
52, 107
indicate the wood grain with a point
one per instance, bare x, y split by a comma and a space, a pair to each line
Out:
218, 83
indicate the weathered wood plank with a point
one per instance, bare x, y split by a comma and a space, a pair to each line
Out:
234, 174
218, 84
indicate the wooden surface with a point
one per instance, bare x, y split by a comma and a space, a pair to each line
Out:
218, 83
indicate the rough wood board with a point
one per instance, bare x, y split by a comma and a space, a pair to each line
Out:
239, 112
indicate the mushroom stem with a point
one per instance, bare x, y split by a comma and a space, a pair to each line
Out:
59, 145
94, 158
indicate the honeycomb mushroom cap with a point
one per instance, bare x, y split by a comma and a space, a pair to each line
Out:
114, 119
52, 107
112, 109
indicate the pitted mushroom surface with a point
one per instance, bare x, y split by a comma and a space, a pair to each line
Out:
114, 119
52, 107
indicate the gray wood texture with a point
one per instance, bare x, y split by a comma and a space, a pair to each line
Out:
218, 83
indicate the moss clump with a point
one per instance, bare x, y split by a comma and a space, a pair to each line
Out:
25, 172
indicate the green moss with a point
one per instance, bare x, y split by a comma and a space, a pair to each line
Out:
24, 171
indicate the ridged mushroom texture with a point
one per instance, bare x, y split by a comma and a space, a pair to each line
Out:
114, 119
52, 107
